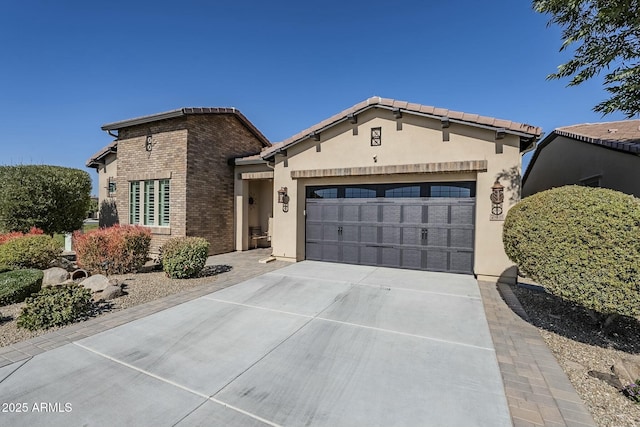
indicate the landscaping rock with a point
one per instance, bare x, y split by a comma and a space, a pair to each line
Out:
54, 276
626, 369
109, 293
96, 283
65, 263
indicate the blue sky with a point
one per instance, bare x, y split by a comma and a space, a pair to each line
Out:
68, 67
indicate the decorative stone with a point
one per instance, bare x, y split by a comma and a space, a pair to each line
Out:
109, 293
54, 276
626, 369
96, 283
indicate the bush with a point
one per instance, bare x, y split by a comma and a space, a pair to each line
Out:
15, 234
55, 307
17, 285
31, 251
582, 244
52, 198
113, 250
632, 391
184, 257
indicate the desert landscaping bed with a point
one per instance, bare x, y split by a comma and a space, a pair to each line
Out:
139, 288
586, 353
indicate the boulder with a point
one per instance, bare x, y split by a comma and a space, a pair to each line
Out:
96, 283
628, 370
108, 293
54, 276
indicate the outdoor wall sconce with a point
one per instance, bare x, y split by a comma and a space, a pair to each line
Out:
283, 198
497, 198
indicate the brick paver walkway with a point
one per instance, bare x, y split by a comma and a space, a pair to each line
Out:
538, 391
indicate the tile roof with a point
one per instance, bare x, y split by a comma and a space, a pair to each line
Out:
521, 129
622, 135
93, 160
188, 111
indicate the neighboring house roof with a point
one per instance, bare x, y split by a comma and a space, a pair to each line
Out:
94, 161
527, 132
621, 136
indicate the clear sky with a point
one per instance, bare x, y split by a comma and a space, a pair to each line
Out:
70, 66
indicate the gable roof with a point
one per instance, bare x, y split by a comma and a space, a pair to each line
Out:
94, 160
623, 135
188, 111
527, 133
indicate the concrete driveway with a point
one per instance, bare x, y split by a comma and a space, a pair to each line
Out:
311, 344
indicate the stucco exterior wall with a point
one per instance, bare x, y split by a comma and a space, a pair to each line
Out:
257, 214
416, 140
565, 161
108, 169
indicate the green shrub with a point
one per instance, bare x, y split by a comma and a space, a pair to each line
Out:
17, 285
113, 250
55, 307
52, 198
184, 257
582, 244
30, 251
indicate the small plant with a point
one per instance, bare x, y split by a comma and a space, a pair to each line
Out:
632, 391
184, 257
30, 251
113, 250
55, 307
17, 285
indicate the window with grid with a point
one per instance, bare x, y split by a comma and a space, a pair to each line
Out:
149, 202
376, 136
134, 202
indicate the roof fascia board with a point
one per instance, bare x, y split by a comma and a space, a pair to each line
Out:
142, 120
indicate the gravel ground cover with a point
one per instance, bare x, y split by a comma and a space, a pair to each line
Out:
585, 352
139, 288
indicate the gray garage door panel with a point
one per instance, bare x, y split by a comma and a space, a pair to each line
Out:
418, 233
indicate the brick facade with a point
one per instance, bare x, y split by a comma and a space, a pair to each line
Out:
192, 151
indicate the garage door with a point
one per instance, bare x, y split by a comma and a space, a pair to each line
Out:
428, 226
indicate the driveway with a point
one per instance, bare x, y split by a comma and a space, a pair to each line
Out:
311, 344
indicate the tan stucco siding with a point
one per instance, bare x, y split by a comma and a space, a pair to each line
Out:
565, 161
419, 141
105, 171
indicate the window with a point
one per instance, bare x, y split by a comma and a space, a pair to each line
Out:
149, 202
323, 193
593, 181
111, 186
359, 193
453, 190
376, 136
404, 191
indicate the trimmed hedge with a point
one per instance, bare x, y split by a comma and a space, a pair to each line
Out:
184, 257
30, 251
52, 198
55, 306
114, 250
17, 285
582, 244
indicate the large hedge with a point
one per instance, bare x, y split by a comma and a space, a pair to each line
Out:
52, 198
582, 244
17, 285
30, 251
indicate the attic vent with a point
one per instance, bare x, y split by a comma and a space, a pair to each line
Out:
612, 130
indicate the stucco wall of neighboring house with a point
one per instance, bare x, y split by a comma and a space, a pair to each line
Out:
420, 140
212, 141
565, 161
166, 160
105, 171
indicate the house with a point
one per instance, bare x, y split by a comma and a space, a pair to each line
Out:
390, 183
170, 172
384, 182
591, 154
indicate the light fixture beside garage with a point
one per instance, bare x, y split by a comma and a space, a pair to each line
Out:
497, 198
283, 198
